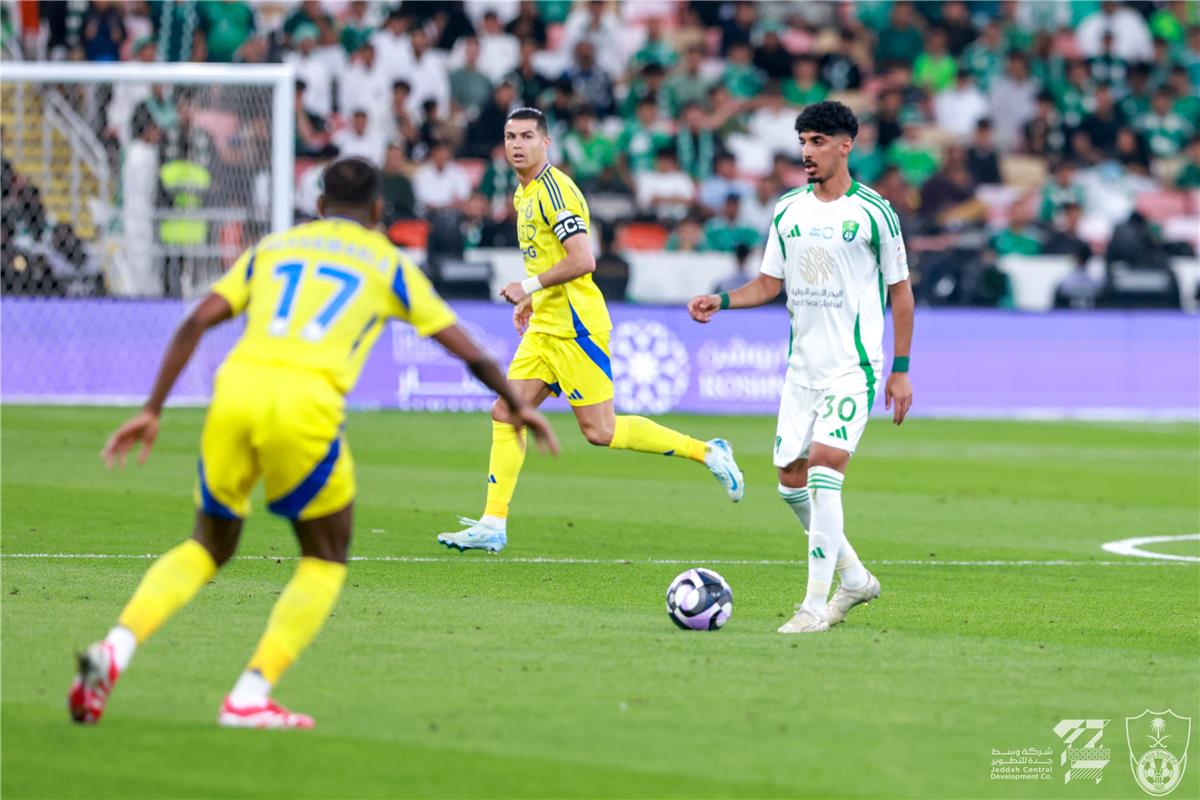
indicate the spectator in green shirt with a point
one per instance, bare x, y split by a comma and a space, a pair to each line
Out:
1021, 237
916, 160
655, 50
1166, 132
866, 159
688, 237
225, 25
356, 31
686, 84
902, 40
984, 57
724, 232
642, 138
1137, 96
805, 86
1059, 192
1189, 176
1187, 100
470, 89
741, 77
1075, 97
308, 13
586, 151
935, 69
1169, 23
650, 82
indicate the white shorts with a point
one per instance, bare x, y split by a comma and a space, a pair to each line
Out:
836, 417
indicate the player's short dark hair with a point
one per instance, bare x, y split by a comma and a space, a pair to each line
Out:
526, 112
350, 183
828, 117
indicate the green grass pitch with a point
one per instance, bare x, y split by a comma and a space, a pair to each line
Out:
552, 670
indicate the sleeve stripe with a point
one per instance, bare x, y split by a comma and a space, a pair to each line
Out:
893, 221
398, 285
893, 229
556, 200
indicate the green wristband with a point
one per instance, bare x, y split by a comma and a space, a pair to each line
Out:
724, 300
900, 364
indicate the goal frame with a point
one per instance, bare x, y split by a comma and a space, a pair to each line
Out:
280, 78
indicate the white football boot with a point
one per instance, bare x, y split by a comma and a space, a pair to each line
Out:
845, 599
475, 536
804, 622
718, 457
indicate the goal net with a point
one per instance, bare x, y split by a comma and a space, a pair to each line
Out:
139, 180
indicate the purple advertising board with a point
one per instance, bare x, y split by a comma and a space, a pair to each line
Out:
966, 363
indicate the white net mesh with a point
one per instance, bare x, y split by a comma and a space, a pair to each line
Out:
131, 188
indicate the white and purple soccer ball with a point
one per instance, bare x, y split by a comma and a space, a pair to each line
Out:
699, 600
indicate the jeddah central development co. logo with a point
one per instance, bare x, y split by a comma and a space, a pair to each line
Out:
650, 367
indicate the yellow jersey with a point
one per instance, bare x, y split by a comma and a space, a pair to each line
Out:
550, 210
317, 296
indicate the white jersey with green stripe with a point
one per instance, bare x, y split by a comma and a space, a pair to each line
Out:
835, 259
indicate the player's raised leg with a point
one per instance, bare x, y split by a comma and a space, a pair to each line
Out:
298, 615
170, 583
603, 427
490, 531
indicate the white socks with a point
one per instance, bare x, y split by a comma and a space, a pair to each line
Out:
798, 501
499, 523
851, 571
827, 546
123, 643
251, 690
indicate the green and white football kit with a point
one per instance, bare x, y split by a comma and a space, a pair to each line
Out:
836, 260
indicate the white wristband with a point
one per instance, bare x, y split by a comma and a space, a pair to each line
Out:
531, 284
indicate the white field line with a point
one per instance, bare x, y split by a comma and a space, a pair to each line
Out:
465, 559
1132, 547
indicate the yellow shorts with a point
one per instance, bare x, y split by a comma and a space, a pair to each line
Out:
578, 368
284, 425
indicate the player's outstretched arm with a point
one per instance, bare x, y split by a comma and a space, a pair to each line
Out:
459, 344
143, 427
898, 391
760, 291
579, 261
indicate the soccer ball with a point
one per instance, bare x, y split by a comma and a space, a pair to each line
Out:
699, 600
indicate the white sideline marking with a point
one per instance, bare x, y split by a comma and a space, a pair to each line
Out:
1132, 547
464, 559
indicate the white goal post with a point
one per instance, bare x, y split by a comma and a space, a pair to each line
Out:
157, 213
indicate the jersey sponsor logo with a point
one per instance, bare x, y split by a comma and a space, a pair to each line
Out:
827, 233
816, 265
849, 230
901, 255
529, 210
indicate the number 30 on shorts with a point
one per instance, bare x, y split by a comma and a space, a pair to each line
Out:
846, 407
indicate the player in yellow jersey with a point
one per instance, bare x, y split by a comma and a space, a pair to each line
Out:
564, 345
315, 299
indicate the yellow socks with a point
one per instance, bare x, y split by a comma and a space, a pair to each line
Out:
168, 585
298, 614
508, 454
647, 436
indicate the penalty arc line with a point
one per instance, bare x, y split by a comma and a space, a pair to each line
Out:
1154, 561
1133, 547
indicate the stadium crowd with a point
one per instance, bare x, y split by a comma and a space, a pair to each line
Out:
993, 128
